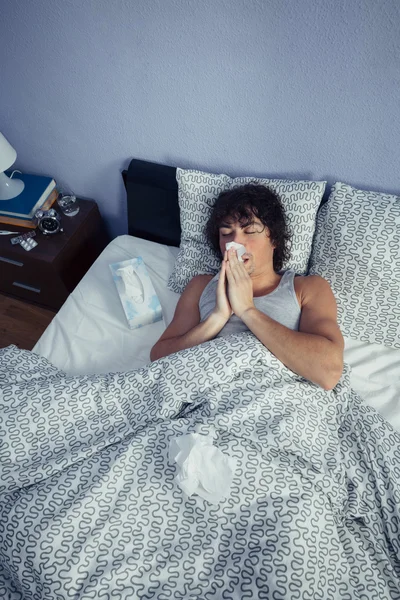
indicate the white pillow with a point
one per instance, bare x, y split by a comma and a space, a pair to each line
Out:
357, 249
197, 192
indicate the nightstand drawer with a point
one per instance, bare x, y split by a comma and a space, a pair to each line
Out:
34, 281
5, 262
16, 270
50, 293
17, 286
49, 272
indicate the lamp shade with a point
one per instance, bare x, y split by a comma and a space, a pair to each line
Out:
8, 155
9, 188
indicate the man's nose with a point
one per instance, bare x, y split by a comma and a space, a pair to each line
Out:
238, 236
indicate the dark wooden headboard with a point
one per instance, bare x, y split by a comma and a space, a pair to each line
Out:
152, 196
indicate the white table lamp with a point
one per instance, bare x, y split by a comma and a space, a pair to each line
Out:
9, 188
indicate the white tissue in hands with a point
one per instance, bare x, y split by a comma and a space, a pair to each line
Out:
132, 284
240, 249
202, 468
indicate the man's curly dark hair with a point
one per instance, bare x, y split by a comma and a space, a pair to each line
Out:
244, 203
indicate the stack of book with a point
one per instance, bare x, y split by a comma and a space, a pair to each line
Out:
39, 192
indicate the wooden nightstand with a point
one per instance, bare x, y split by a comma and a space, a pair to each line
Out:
49, 272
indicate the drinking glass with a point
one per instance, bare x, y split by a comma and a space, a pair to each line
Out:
67, 201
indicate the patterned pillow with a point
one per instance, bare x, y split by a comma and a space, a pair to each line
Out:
197, 193
357, 249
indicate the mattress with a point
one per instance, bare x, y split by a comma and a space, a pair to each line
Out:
90, 333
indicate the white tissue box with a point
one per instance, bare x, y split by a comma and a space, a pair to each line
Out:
135, 289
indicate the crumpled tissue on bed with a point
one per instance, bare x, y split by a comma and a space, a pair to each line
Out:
202, 468
240, 249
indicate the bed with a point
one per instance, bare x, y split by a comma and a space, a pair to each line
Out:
90, 507
89, 333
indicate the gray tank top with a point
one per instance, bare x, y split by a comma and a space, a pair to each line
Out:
281, 305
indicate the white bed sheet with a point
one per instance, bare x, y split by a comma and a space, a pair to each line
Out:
90, 333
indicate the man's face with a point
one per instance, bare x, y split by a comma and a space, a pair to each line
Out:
255, 238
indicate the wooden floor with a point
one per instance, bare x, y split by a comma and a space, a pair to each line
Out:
22, 323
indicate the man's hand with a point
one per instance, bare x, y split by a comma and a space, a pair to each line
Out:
222, 307
240, 286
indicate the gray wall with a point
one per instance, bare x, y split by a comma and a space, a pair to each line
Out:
276, 88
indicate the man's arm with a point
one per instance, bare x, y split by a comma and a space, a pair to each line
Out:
316, 350
185, 330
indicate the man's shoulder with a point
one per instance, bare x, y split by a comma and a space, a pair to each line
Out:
198, 283
200, 279
205, 276
309, 285
311, 280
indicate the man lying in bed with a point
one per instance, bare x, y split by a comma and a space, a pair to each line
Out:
293, 316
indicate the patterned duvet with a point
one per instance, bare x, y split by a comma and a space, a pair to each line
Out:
89, 506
